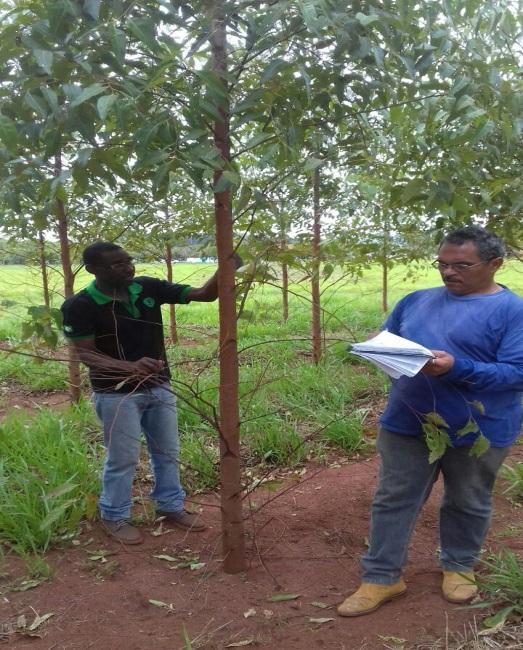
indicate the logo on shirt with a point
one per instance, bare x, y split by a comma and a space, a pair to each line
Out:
149, 302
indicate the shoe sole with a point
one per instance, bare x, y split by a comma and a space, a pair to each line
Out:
373, 609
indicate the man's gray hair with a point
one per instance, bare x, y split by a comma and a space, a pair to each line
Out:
488, 244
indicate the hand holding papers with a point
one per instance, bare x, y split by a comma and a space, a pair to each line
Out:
393, 354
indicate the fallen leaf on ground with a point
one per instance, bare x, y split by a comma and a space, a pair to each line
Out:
320, 620
321, 605
196, 566
38, 621
28, 584
167, 558
160, 603
278, 598
250, 612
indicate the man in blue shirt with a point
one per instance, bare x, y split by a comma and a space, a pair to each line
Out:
464, 407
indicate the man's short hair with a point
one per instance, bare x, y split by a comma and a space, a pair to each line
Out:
93, 253
488, 244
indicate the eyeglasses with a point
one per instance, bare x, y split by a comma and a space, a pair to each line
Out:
461, 267
122, 264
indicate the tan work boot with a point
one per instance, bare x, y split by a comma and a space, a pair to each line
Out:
369, 597
122, 531
459, 588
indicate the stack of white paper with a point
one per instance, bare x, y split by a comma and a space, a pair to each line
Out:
393, 354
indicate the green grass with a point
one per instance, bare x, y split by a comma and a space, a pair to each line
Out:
502, 587
48, 476
513, 474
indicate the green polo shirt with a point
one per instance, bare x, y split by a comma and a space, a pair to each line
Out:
123, 330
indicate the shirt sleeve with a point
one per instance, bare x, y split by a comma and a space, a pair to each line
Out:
506, 373
172, 293
78, 322
393, 322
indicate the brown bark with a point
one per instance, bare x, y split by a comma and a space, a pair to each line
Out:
315, 282
285, 291
385, 270
43, 268
173, 329
65, 257
233, 541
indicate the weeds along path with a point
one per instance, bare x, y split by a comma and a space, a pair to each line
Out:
303, 550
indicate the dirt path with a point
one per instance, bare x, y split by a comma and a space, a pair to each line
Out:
307, 542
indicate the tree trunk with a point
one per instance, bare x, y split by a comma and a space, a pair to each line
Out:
61, 216
173, 330
43, 268
233, 541
284, 277
385, 269
285, 290
315, 283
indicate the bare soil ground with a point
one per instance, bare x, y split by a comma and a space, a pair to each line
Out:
306, 542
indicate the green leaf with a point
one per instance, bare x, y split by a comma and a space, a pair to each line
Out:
222, 185
88, 93
480, 446
118, 45
60, 491
92, 8
365, 20
271, 70
413, 190
499, 618
103, 105
470, 427
56, 513
436, 419
8, 133
36, 104
312, 164
50, 96
278, 598
436, 439
479, 406
83, 156
44, 58
144, 30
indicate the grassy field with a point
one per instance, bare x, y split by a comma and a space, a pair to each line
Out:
291, 410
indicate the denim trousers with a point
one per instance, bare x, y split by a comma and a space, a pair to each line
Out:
124, 417
405, 482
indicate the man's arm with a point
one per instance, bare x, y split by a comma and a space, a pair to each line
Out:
209, 291
88, 353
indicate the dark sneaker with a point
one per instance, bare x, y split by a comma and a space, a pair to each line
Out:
183, 519
122, 531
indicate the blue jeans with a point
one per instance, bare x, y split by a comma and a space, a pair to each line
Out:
124, 416
405, 482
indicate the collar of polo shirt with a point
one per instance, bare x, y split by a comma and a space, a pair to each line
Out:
100, 298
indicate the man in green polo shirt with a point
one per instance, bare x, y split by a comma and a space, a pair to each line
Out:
115, 325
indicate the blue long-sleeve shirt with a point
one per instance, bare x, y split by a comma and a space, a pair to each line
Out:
484, 333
